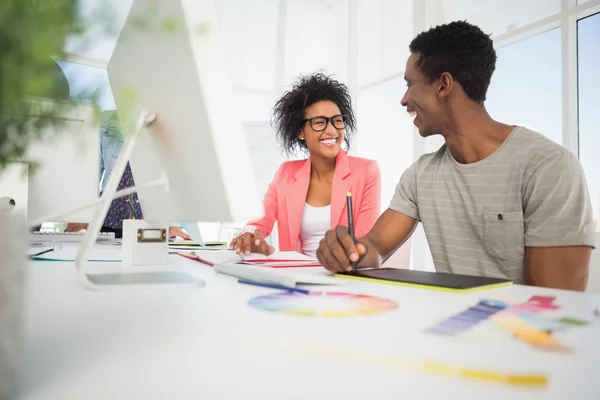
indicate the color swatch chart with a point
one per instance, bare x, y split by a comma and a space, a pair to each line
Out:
523, 321
323, 304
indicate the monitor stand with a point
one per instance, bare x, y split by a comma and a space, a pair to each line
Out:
142, 279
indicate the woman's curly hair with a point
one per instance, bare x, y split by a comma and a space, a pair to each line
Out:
289, 110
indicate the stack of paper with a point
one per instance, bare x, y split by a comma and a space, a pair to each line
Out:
191, 245
284, 277
283, 259
278, 262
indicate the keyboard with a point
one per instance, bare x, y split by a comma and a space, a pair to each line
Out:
67, 236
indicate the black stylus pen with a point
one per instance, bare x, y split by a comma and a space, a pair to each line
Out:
32, 256
350, 224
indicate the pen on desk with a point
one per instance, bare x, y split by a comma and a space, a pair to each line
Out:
350, 223
40, 253
273, 286
133, 216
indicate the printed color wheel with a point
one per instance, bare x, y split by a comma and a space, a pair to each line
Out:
323, 304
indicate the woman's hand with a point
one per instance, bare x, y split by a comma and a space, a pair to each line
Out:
248, 243
176, 231
75, 227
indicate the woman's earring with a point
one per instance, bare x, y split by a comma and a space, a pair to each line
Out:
301, 138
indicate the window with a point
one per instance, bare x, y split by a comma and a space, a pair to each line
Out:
526, 87
104, 20
84, 79
588, 33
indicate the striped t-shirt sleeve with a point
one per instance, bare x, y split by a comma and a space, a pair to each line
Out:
556, 205
405, 196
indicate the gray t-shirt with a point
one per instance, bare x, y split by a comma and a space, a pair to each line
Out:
479, 217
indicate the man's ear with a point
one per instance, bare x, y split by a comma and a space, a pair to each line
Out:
445, 85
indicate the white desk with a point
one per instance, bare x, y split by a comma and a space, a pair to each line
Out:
207, 343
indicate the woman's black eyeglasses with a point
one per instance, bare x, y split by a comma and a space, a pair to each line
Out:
319, 124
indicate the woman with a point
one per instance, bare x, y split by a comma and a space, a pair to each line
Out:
308, 197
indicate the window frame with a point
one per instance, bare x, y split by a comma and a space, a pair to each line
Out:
567, 20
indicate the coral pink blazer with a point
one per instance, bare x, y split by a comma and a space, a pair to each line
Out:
285, 199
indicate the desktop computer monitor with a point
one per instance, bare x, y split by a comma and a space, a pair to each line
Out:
169, 63
170, 60
67, 173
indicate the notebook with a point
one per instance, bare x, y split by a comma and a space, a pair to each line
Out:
427, 280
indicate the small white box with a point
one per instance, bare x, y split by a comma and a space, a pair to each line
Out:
145, 243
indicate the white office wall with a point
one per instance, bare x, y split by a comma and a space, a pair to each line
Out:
316, 39
249, 31
384, 32
253, 106
384, 29
385, 131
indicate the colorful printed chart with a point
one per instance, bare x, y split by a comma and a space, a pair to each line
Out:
522, 320
323, 304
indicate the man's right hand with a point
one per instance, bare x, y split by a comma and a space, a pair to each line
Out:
75, 227
337, 251
251, 243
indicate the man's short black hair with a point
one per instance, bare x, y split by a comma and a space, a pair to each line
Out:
289, 111
462, 50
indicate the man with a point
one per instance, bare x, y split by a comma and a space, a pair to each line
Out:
110, 146
495, 200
